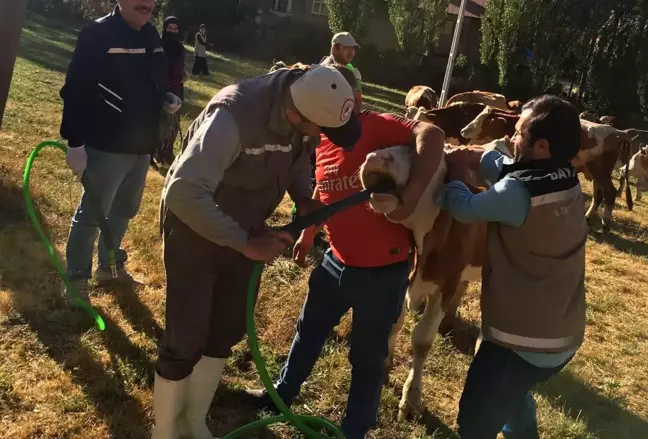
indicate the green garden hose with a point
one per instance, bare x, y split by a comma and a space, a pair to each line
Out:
83, 304
302, 422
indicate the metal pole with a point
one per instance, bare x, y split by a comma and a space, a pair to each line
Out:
453, 54
12, 19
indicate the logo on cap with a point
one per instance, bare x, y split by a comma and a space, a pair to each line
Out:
347, 109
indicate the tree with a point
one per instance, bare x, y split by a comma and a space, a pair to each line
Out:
418, 23
601, 43
349, 15
221, 14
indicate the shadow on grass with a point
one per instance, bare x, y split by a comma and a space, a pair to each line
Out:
231, 409
67, 334
138, 314
604, 417
627, 236
108, 381
435, 427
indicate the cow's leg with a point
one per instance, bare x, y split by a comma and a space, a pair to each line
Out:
609, 196
422, 340
450, 320
393, 337
622, 183
597, 199
638, 197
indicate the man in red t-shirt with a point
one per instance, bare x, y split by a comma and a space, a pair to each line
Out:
365, 269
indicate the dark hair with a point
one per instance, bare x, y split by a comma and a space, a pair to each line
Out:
556, 121
202, 25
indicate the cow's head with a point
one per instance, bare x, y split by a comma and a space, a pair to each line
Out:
421, 96
515, 106
412, 112
588, 116
473, 129
393, 164
504, 146
638, 168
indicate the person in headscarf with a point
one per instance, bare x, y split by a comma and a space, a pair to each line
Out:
174, 54
200, 67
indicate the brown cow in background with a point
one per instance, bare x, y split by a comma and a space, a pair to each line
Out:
494, 100
421, 96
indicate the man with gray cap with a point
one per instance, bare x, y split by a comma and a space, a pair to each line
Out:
343, 49
240, 156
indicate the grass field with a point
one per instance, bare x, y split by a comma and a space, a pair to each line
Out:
61, 378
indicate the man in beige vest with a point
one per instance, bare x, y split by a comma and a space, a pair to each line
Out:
240, 156
533, 293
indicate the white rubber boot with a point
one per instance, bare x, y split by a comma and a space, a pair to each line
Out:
169, 400
203, 384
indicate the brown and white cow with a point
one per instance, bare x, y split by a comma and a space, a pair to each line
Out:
451, 119
421, 96
638, 141
449, 254
603, 148
637, 168
489, 125
493, 100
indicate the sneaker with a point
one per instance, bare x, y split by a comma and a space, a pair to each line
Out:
104, 276
81, 289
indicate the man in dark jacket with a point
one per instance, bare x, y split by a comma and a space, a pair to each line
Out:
113, 95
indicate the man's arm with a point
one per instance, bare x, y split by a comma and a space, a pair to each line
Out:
429, 141
490, 165
506, 202
80, 84
189, 194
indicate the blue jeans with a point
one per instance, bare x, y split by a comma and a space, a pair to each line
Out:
117, 181
496, 396
376, 296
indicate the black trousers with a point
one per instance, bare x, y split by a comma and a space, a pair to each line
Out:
200, 66
206, 296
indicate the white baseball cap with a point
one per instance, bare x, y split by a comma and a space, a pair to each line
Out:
323, 96
345, 39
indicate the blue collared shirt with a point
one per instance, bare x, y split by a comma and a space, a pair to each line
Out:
507, 201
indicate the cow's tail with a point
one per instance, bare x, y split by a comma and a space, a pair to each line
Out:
626, 174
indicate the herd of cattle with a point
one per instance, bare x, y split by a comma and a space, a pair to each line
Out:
479, 117
450, 254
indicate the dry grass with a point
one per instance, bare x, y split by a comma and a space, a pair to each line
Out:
60, 378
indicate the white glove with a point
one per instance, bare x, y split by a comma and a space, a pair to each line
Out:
172, 103
77, 160
357, 74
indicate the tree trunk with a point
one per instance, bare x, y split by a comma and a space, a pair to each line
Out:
12, 18
585, 71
